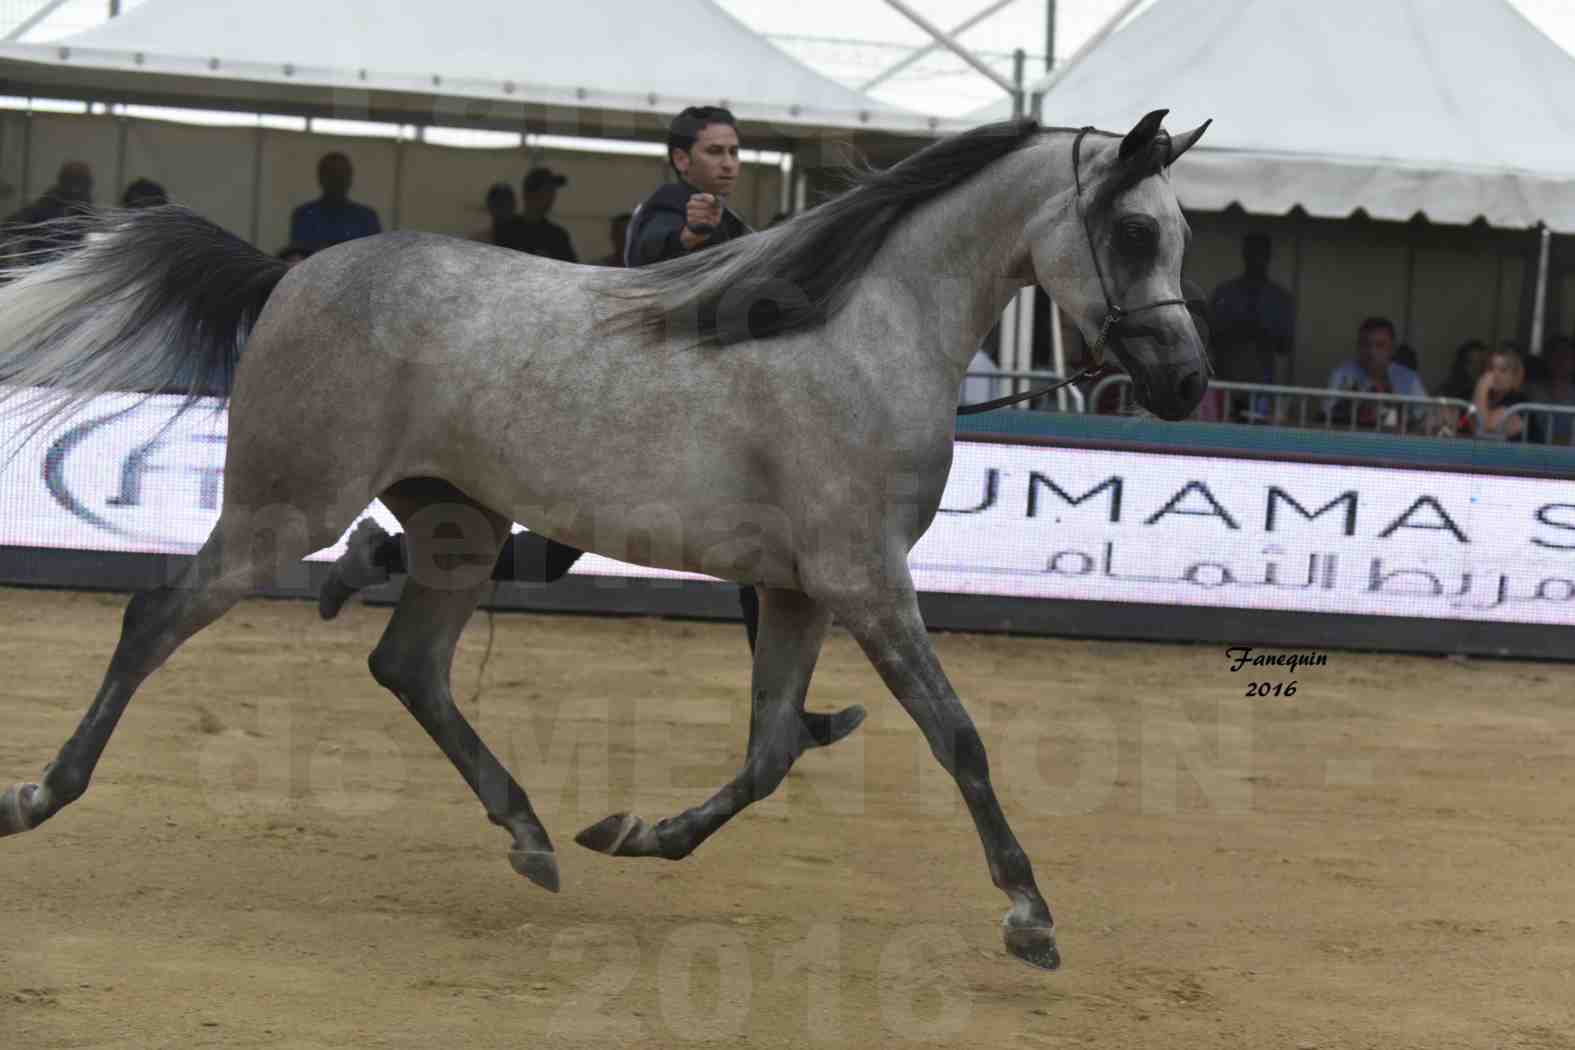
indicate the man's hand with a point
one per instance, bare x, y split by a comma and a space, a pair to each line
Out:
705, 212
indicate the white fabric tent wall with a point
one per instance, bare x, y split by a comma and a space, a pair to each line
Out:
1451, 109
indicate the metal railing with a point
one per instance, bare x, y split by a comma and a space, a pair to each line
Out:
1541, 424
1003, 383
1306, 407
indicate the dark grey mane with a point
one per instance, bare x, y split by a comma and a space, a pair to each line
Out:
798, 275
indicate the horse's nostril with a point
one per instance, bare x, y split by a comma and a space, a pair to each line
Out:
1190, 389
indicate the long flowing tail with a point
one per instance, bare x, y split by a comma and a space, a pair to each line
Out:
152, 300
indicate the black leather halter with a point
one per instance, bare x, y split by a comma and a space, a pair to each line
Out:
1114, 315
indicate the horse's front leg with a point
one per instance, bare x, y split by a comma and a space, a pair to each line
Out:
792, 628
886, 622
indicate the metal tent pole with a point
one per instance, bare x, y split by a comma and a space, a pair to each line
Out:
957, 30
1540, 304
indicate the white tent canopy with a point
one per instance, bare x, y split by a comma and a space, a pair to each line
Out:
1451, 109
589, 65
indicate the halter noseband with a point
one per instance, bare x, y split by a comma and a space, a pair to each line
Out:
1114, 315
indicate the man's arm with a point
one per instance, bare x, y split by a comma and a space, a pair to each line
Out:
660, 237
568, 247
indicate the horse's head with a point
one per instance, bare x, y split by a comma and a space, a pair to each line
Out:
1112, 259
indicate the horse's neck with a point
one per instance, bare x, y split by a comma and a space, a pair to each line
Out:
962, 257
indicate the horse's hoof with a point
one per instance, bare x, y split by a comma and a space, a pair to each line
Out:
1034, 945
538, 865
13, 812
609, 834
825, 730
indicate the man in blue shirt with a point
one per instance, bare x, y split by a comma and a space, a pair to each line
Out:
1375, 371
332, 218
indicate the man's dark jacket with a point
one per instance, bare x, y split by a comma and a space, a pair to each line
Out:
653, 236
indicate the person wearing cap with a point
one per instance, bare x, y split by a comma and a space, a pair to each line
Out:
691, 212
532, 231
333, 218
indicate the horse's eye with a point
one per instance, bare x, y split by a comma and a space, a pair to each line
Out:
1134, 238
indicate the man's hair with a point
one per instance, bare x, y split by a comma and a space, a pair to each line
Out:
1374, 324
685, 129
328, 158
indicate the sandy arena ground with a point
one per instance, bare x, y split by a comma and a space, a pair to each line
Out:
274, 855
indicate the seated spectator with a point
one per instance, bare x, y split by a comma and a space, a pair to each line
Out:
72, 194
333, 218
144, 193
1559, 388
1500, 389
1375, 371
1470, 361
532, 231
1405, 354
617, 234
503, 206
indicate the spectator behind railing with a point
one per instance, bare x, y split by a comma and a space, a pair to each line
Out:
332, 218
1470, 362
1375, 371
27, 232
1500, 389
1559, 388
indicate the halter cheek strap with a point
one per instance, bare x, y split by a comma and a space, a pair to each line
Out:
1114, 314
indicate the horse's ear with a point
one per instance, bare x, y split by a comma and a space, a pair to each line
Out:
1142, 136
1179, 144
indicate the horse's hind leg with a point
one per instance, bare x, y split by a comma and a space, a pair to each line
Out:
416, 652
792, 628
891, 631
155, 624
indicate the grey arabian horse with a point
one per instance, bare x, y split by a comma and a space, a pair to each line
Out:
777, 411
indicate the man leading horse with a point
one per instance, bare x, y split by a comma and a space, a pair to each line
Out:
684, 216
